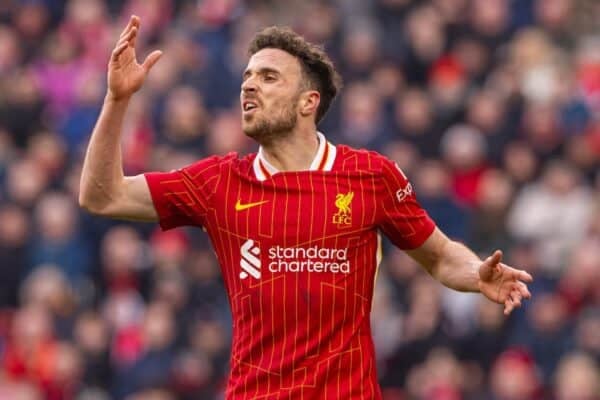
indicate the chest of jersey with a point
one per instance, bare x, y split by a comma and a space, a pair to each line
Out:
297, 209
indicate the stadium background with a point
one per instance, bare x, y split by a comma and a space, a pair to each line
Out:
491, 107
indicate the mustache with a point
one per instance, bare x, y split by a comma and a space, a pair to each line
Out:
250, 98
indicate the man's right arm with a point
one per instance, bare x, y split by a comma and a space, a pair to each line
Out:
104, 190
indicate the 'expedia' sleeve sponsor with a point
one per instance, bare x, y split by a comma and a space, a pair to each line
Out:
183, 196
399, 215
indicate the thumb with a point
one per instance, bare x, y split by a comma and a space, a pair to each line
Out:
151, 60
486, 269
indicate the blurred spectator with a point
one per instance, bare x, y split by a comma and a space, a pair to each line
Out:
184, 119
86, 23
426, 41
578, 283
491, 107
58, 72
494, 197
58, 239
514, 377
122, 257
489, 338
490, 20
91, 335
555, 17
520, 162
47, 287
22, 104
422, 331
414, 117
208, 339
226, 135
48, 151
360, 49
193, 376
32, 20
31, 352
25, 182
362, 121
553, 213
448, 86
433, 183
405, 155
389, 80
586, 333
486, 111
464, 151
152, 367
79, 120
156, 14
14, 232
547, 334
439, 377
10, 51
386, 321
472, 54
577, 378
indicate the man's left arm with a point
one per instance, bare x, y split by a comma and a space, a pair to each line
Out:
457, 267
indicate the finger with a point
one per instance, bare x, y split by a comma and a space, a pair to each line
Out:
127, 38
525, 277
118, 50
496, 257
516, 298
129, 25
151, 60
523, 290
487, 267
518, 274
508, 306
134, 35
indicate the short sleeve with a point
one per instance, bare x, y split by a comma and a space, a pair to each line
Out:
182, 197
400, 216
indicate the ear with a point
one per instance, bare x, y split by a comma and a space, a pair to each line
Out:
309, 102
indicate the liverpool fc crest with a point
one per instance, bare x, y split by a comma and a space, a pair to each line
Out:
343, 217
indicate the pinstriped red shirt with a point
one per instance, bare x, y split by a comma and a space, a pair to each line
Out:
299, 253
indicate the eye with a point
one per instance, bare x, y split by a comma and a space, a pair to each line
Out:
270, 78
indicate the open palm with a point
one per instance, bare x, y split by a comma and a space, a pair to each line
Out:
125, 74
503, 284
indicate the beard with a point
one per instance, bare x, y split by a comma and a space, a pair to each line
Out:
265, 130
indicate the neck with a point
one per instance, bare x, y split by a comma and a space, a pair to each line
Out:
294, 152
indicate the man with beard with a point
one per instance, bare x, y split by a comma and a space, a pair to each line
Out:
295, 226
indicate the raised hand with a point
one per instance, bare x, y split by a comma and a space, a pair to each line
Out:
125, 74
503, 284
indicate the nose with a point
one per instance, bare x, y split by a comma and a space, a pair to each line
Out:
249, 86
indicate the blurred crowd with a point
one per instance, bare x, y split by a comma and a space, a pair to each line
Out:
491, 107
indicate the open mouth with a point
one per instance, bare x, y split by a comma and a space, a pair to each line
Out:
249, 106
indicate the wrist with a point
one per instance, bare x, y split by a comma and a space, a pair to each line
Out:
118, 99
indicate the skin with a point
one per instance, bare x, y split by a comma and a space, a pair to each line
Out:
284, 125
274, 79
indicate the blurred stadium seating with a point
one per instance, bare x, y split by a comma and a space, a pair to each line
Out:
491, 107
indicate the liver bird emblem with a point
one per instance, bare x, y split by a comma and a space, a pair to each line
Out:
342, 202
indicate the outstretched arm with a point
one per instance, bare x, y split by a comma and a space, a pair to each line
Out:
104, 189
457, 267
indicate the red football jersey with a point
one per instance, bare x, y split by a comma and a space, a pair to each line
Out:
299, 253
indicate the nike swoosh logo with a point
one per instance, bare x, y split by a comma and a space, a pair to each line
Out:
241, 207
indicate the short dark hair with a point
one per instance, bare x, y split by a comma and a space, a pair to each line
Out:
316, 65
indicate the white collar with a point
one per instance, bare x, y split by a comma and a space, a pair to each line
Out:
323, 160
